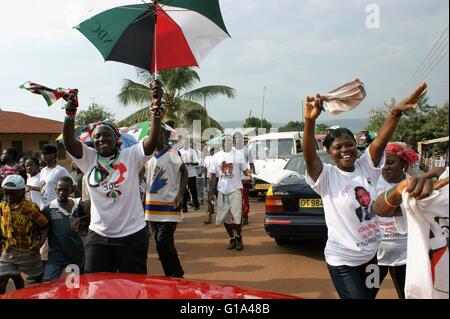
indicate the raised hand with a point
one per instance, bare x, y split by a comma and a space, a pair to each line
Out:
313, 108
157, 92
410, 102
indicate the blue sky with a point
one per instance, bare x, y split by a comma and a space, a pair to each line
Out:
294, 48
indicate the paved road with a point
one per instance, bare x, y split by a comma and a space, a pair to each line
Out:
297, 269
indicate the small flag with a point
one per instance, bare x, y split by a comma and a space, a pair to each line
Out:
51, 95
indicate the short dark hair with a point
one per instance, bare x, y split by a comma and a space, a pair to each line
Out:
66, 179
33, 159
49, 149
13, 153
333, 134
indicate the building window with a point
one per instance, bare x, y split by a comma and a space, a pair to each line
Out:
42, 143
61, 151
18, 145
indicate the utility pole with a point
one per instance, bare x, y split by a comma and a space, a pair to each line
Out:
303, 108
262, 112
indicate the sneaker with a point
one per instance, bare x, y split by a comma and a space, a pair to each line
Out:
245, 221
232, 244
239, 244
197, 208
185, 211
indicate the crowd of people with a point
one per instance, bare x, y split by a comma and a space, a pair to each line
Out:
100, 216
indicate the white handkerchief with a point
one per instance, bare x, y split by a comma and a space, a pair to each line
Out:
345, 98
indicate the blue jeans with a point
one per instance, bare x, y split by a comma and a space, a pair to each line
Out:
350, 282
53, 270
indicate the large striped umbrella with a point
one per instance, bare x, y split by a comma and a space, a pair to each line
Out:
155, 35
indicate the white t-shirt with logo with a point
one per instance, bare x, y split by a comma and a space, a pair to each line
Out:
49, 177
229, 168
427, 271
116, 207
353, 231
248, 160
394, 232
34, 196
190, 156
163, 186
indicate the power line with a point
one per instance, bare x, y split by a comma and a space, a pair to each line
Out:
424, 62
435, 65
432, 63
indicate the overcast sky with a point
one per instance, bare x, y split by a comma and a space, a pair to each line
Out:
294, 48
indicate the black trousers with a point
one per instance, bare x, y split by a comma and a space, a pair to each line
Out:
165, 245
126, 254
398, 275
192, 185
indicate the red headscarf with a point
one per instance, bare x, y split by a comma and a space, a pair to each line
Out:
405, 153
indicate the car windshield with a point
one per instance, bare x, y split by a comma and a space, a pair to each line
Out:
297, 163
272, 148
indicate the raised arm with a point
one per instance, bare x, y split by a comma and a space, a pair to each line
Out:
387, 203
151, 142
377, 147
72, 145
314, 165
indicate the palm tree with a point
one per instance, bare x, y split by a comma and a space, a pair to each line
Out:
182, 100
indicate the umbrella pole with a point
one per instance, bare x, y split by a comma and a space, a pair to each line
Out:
154, 74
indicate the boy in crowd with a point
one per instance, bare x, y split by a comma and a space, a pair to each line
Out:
65, 215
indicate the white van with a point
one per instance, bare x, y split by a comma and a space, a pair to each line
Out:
272, 151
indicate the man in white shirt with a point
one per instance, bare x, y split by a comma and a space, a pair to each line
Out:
166, 181
228, 167
238, 140
190, 159
208, 168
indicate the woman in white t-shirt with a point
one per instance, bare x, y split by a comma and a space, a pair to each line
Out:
426, 208
348, 190
393, 246
118, 236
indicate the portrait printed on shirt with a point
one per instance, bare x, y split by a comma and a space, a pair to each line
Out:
438, 254
365, 211
226, 170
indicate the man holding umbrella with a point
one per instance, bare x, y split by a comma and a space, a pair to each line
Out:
118, 236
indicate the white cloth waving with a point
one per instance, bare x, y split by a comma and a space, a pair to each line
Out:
345, 98
427, 271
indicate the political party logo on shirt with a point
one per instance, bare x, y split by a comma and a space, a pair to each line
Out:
110, 182
226, 169
438, 254
158, 182
365, 211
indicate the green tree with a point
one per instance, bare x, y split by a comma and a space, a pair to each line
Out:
425, 123
292, 126
321, 128
94, 113
256, 122
182, 100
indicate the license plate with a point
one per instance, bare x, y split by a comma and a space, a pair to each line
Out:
261, 186
311, 203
